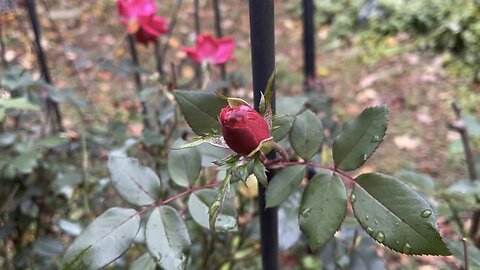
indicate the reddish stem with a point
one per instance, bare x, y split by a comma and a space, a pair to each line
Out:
279, 164
179, 195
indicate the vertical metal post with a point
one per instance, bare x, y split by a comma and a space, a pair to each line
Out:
263, 64
219, 33
137, 78
52, 106
196, 15
308, 42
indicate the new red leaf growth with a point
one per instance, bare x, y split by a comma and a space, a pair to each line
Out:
243, 128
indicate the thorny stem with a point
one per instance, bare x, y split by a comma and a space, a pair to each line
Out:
278, 164
179, 195
459, 126
465, 253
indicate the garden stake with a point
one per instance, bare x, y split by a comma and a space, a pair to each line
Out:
263, 64
219, 34
138, 80
52, 106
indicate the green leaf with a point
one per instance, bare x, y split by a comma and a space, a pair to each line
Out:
456, 247
144, 262
201, 110
137, 184
323, 208
53, 141
265, 106
20, 103
359, 138
198, 206
281, 126
26, 161
104, 240
306, 134
167, 238
421, 181
184, 165
290, 105
283, 183
217, 206
395, 215
259, 171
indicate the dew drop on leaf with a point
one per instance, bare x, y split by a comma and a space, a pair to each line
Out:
426, 213
352, 198
376, 221
366, 217
365, 157
397, 242
369, 230
406, 248
380, 237
396, 224
376, 138
306, 212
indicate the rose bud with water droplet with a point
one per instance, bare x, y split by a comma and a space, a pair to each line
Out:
243, 128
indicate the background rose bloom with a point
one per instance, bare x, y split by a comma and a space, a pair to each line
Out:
210, 49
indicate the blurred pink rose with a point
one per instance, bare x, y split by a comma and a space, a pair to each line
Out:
132, 11
210, 49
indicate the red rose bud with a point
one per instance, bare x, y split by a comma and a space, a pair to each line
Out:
243, 128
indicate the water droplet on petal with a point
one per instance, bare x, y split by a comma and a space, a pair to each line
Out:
369, 230
380, 237
406, 248
426, 213
352, 198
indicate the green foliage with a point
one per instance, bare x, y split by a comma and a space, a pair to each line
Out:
105, 239
323, 208
184, 165
359, 138
199, 204
167, 238
201, 110
306, 134
283, 183
396, 215
136, 184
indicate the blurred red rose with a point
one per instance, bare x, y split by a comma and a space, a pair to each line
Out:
131, 11
150, 28
210, 49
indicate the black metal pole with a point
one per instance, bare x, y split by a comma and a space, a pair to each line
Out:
52, 106
137, 78
196, 15
3, 50
309, 42
219, 33
263, 64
